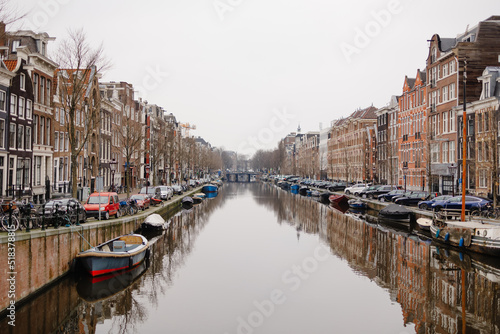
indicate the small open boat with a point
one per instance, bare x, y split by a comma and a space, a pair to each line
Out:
153, 222
116, 254
357, 204
339, 199
424, 223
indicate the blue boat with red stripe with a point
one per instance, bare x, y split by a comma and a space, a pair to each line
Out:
121, 253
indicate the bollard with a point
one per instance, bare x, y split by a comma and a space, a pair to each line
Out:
77, 215
43, 217
56, 216
28, 216
10, 214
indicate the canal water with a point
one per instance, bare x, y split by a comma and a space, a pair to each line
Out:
257, 259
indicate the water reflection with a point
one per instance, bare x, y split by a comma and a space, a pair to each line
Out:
438, 290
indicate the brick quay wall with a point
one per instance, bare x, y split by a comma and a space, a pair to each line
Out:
43, 257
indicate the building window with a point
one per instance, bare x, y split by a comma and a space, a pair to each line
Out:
29, 109
2, 100
483, 178
13, 104
19, 171
451, 91
28, 138
35, 129
42, 131
61, 141
452, 151
56, 141
48, 131
2, 133
21, 106
62, 116
22, 82
433, 55
56, 114
452, 121
38, 171
12, 135
35, 86
42, 90
15, 45
48, 96
27, 172
66, 141
434, 152
445, 93
20, 137
445, 152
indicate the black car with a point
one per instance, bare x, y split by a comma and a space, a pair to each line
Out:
62, 205
378, 191
365, 192
337, 186
404, 194
414, 198
388, 196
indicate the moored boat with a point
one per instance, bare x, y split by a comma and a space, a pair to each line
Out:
480, 236
339, 199
117, 254
357, 204
303, 191
210, 188
153, 222
395, 213
424, 223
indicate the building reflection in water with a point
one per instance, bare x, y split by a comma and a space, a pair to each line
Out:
440, 290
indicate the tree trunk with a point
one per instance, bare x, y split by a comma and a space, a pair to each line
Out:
74, 179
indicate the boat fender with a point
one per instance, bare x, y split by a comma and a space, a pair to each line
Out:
447, 237
130, 262
461, 256
461, 242
437, 233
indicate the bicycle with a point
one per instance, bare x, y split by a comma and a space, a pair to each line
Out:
482, 211
9, 221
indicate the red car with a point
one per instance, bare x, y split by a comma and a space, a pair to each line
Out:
143, 201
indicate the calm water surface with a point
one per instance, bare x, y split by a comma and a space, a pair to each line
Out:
256, 259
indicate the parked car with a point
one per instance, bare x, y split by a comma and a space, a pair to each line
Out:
177, 189
151, 191
426, 204
142, 200
74, 204
107, 203
368, 190
379, 191
414, 198
388, 196
355, 189
455, 203
166, 192
337, 186
404, 194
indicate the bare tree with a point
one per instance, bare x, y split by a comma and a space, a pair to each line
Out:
78, 93
130, 145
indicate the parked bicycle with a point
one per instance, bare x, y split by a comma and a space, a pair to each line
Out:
8, 216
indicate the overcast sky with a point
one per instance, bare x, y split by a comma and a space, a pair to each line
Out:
247, 72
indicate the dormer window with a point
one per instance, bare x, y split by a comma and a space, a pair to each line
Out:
433, 55
486, 89
15, 45
44, 49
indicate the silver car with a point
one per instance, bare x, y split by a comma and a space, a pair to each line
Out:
166, 192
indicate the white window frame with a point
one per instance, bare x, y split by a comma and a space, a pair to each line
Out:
13, 104
21, 107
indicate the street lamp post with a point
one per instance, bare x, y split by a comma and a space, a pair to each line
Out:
147, 177
112, 165
452, 168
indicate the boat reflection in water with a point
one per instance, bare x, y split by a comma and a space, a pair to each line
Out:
439, 290
92, 289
